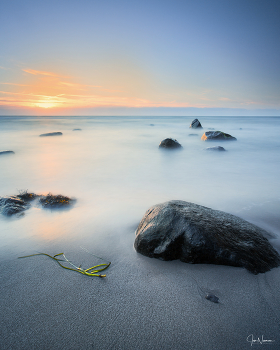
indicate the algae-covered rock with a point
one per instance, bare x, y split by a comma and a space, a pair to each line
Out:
16, 204
201, 235
55, 201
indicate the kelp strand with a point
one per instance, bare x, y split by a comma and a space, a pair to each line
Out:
92, 271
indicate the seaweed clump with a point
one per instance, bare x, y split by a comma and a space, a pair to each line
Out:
27, 196
52, 201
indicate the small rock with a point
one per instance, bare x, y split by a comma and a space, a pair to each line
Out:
193, 134
77, 129
216, 148
212, 297
6, 152
169, 143
217, 135
195, 124
52, 134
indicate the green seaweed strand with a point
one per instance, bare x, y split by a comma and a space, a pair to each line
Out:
92, 271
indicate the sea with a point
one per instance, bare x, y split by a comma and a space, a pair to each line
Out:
114, 169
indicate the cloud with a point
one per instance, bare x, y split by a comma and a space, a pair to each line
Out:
78, 85
39, 72
15, 84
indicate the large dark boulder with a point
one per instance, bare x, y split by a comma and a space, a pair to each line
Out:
217, 135
169, 143
58, 133
197, 234
195, 124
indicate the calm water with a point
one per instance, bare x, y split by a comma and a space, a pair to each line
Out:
114, 169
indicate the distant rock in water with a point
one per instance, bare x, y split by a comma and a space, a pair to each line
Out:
77, 129
217, 135
193, 134
216, 148
195, 124
152, 124
169, 143
58, 133
6, 152
200, 235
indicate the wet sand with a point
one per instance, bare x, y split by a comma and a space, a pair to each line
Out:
143, 303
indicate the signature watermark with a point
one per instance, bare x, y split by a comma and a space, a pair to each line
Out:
261, 340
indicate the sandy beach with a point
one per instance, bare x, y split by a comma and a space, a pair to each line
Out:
143, 303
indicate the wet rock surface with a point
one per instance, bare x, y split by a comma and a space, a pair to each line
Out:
201, 235
217, 135
58, 133
12, 205
169, 143
195, 124
216, 148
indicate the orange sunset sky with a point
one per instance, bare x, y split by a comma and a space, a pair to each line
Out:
81, 57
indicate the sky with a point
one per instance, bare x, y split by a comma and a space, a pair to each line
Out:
119, 57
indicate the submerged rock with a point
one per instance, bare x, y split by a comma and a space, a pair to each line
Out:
52, 134
12, 205
169, 143
6, 152
77, 129
216, 148
217, 135
201, 235
195, 124
193, 134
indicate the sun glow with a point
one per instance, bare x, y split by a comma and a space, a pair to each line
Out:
46, 104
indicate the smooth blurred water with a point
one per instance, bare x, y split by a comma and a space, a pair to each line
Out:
115, 170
